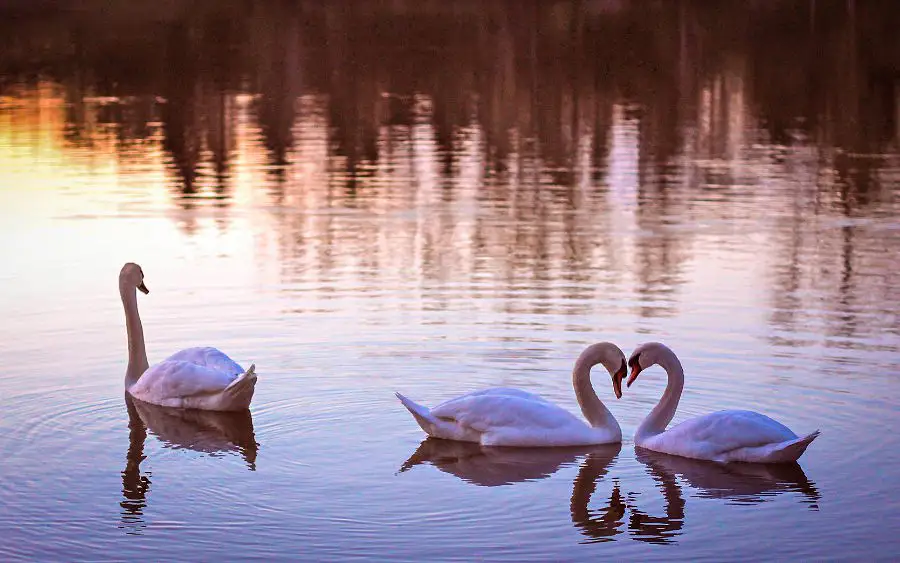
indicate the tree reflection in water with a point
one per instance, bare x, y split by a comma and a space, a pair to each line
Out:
552, 113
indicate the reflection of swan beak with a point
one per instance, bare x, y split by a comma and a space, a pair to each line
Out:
618, 377
143, 288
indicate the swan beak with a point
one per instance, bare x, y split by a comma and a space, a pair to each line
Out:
143, 288
617, 379
635, 371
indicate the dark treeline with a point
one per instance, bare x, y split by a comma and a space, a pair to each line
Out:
548, 71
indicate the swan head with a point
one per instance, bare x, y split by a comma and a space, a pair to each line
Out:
611, 357
644, 356
132, 276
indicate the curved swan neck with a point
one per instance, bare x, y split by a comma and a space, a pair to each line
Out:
592, 407
664, 411
137, 352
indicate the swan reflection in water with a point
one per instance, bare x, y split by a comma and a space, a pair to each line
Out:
738, 483
492, 467
209, 432
488, 466
604, 524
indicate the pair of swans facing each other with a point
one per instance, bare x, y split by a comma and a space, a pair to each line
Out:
194, 378
512, 417
742, 483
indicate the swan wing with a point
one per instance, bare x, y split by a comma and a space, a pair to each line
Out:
209, 357
713, 435
513, 419
505, 392
179, 379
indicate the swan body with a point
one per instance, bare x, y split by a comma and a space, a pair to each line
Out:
198, 378
722, 436
728, 435
503, 416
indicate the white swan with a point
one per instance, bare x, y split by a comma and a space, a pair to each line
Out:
512, 417
723, 436
198, 378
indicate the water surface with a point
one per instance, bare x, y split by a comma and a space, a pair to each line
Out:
434, 198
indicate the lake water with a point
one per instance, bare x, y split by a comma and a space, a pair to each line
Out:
434, 198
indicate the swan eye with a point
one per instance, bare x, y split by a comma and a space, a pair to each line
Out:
634, 362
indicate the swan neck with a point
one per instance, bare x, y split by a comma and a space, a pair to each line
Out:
664, 411
592, 407
137, 352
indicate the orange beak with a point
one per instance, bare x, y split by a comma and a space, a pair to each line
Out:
617, 379
143, 288
635, 371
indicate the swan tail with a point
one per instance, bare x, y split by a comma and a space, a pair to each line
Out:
241, 389
422, 415
792, 450
246, 378
438, 427
432, 425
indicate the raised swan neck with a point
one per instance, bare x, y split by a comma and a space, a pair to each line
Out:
137, 352
592, 407
664, 411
